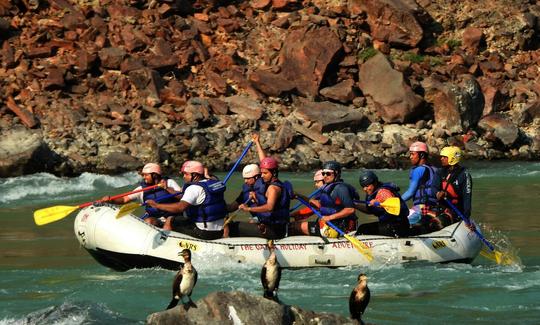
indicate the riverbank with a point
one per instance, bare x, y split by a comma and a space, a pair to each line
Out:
108, 86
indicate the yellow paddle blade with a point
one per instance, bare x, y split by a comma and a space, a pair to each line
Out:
52, 214
127, 209
361, 247
392, 205
498, 257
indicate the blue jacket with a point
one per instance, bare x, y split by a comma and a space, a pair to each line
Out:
424, 184
156, 194
214, 206
280, 214
328, 205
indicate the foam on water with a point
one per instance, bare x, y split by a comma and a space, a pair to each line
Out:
44, 186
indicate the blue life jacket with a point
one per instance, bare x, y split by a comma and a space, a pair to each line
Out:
280, 214
429, 185
214, 206
260, 192
328, 205
380, 212
156, 194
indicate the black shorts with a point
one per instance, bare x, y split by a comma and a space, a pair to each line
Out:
268, 231
189, 228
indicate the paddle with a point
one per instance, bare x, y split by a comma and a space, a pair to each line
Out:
132, 206
55, 213
250, 143
361, 247
234, 214
492, 254
309, 197
391, 205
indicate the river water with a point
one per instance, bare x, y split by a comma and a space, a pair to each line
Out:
46, 278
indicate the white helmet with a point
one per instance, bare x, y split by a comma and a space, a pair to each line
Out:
151, 168
251, 170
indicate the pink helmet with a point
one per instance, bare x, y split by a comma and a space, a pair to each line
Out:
269, 163
192, 166
151, 168
250, 170
418, 147
318, 175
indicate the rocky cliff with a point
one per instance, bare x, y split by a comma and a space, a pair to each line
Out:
105, 86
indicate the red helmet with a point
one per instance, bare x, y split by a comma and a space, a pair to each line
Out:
151, 168
192, 166
418, 147
269, 163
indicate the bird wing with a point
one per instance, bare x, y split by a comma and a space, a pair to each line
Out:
278, 277
176, 283
365, 301
263, 278
196, 276
352, 306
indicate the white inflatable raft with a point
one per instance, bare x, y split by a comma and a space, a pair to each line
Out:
127, 242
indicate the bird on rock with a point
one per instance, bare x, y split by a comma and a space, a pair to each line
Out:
184, 281
359, 298
271, 274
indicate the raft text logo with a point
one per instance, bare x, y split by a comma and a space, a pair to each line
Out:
438, 244
187, 245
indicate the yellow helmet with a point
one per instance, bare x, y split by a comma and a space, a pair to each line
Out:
453, 153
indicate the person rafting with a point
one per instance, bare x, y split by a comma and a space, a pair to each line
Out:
151, 174
265, 197
377, 192
424, 183
456, 185
304, 213
335, 202
202, 201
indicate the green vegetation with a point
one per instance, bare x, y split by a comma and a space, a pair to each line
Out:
453, 43
435, 61
413, 57
367, 53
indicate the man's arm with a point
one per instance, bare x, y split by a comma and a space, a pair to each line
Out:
273, 193
414, 182
260, 151
341, 194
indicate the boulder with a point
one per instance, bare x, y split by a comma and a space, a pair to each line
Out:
500, 127
457, 106
118, 162
269, 83
245, 107
327, 116
394, 21
306, 55
342, 92
394, 99
21, 152
242, 308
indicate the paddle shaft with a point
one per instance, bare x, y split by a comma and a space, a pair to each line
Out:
320, 216
84, 205
377, 204
469, 222
244, 153
309, 197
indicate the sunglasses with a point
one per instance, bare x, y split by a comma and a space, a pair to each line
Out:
327, 173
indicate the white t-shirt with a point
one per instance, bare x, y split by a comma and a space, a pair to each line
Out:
195, 195
139, 196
